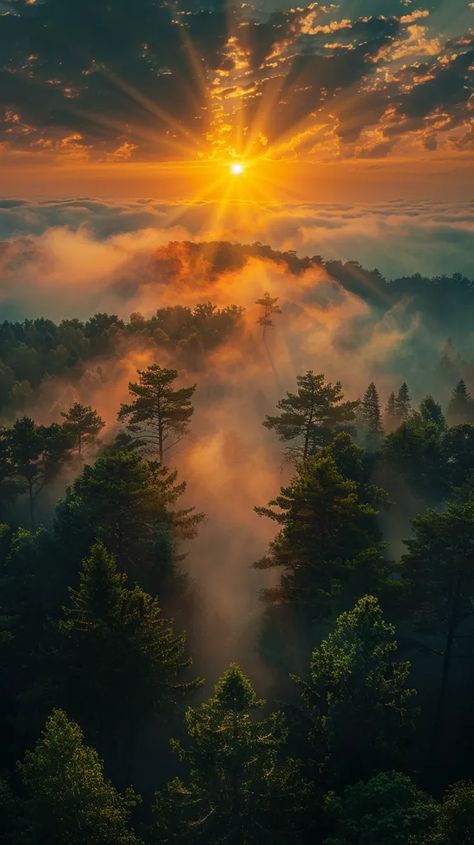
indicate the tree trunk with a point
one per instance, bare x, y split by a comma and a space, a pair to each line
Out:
31, 505
446, 666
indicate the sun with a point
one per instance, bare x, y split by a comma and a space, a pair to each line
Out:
236, 168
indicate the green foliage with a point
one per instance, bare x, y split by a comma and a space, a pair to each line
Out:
370, 418
127, 502
461, 406
325, 531
65, 796
158, 412
357, 696
454, 824
312, 415
388, 809
82, 423
414, 449
240, 790
120, 661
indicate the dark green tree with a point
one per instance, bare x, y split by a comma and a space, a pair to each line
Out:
240, 789
65, 797
326, 534
461, 406
454, 824
438, 570
391, 416
120, 661
414, 450
36, 455
458, 455
128, 502
312, 415
403, 402
158, 412
82, 423
432, 412
357, 697
389, 808
371, 418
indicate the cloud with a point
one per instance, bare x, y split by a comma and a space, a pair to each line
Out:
86, 81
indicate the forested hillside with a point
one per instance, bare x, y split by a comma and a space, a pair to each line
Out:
237, 585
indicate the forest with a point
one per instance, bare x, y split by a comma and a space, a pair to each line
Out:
323, 690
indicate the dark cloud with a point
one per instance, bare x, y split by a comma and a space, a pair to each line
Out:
88, 79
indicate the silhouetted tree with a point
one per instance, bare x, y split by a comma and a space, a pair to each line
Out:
269, 307
461, 406
391, 416
403, 402
431, 412
240, 789
371, 418
313, 414
158, 411
389, 808
438, 570
82, 423
120, 660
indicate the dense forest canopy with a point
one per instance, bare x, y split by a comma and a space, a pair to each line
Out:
209, 503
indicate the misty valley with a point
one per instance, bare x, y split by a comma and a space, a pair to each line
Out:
237, 555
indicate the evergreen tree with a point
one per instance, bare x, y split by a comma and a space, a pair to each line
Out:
357, 696
431, 412
157, 411
391, 416
36, 455
269, 307
312, 415
65, 796
438, 570
371, 418
415, 450
82, 423
326, 533
128, 502
461, 406
240, 789
389, 808
120, 661
403, 402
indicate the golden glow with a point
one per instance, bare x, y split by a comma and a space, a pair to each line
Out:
236, 168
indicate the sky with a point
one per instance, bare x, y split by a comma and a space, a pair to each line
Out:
362, 100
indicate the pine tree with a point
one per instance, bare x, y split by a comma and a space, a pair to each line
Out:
326, 533
391, 417
461, 406
371, 418
66, 798
129, 503
357, 696
240, 789
158, 412
120, 660
269, 308
438, 571
431, 412
82, 423
312, 415
403, 402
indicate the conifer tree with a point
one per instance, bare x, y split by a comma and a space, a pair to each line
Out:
65, 795
391, 418
158, 412
269, 308
326, 533
431, 412
357, 695
82, 423
240, 789
461, 406
312, 415
120, 660
438, 571
403, 402
371, 418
